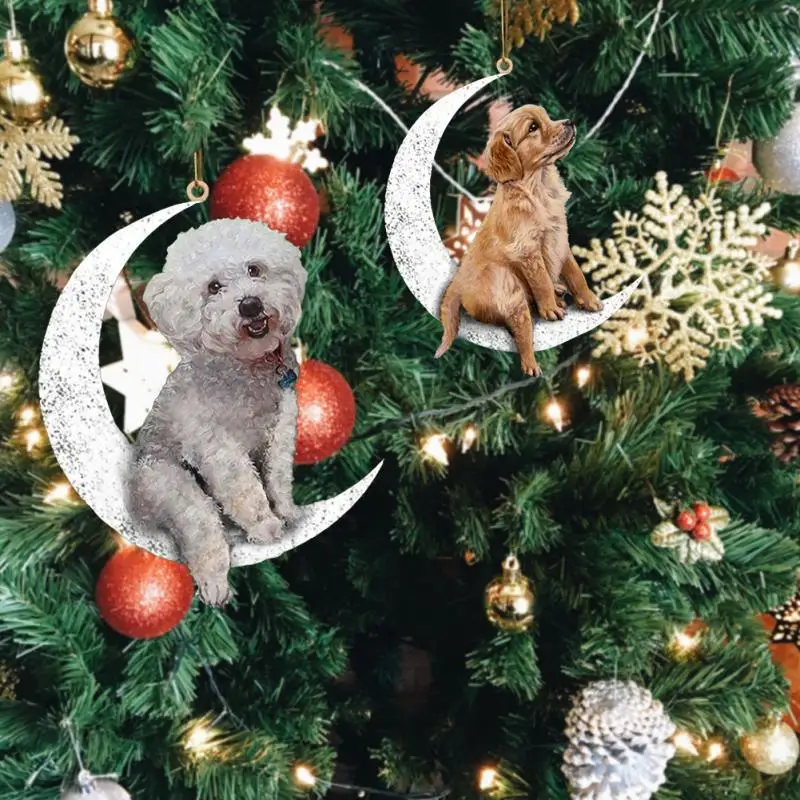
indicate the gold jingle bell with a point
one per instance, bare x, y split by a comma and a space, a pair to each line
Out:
772, 749
786, 273
99, 48
22, 95
508, 599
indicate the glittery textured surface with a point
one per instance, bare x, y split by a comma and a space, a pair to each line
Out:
97, 789
266, 189
419, 253
778, 160
93, 453
326, 412
8, 223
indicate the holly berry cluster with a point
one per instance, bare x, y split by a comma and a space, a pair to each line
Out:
695, 522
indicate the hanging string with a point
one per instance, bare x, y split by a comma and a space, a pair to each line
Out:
197, 190
12, 18
504, 64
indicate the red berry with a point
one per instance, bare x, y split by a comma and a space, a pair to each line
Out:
702, 511
701, 532
686, 521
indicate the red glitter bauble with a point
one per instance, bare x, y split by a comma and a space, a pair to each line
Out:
266, 189
326, 412
141, 595
722, 175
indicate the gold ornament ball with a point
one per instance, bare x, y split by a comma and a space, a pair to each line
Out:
22, 95
772, 749
508, 600
786, 273
100, 49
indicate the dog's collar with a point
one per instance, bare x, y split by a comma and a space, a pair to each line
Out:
286, 375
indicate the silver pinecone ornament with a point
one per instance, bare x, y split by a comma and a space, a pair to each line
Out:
619, 743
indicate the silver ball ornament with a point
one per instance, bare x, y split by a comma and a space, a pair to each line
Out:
772, 749
8, 223
778, 160
90, 788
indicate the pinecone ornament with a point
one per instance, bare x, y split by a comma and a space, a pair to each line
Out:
781, 410
619, 743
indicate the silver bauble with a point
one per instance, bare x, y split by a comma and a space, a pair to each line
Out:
772, 749
89, 788
778, 160
8, 222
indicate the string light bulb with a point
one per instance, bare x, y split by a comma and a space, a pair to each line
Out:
6, 381
468, 437
58, 492
715, 750
304, 776
683, 644
433, 447
583, 375
554, 414
199, 740
487, 778
636, 337
32, 439
685, 742
27, 414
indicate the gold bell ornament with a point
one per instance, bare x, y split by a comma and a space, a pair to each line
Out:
772, 749
22, 94
508, 599
786, 273
99, 48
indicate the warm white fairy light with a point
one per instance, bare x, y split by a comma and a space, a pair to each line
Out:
7, 380
199, 740
468, 437
715, 751
554, 413
58, 492
487, 778
685, 742
304, 776
583, 375
27, 415
287, 142
636, 337
790, 279
683, 644
33, 439
433, 447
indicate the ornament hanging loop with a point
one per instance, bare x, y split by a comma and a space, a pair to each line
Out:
504, 64
197, 190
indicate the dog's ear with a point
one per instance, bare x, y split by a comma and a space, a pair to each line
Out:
172, 311
502, 161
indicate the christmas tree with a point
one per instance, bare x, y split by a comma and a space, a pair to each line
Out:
556, 586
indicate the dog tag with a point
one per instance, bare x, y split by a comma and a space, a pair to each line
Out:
288, 379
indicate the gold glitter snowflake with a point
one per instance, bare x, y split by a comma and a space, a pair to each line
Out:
702, 282
22, 148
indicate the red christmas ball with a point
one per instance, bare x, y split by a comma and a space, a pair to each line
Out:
702, 511
326, 412
266, 189
701, 532
722, 175
686, 521
141, 595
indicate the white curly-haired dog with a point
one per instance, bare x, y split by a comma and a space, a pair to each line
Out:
218, 444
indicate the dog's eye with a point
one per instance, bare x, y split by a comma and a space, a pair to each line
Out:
533, 128
507, 139
253, 270
214, 287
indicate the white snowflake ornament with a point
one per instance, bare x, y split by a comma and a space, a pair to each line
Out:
287, 142
702, 283
619, 743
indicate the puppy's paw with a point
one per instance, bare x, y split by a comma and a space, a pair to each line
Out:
588, 301
288, 512
213, 588
552, 312
249, 507
561, 302
265, 531
530, 367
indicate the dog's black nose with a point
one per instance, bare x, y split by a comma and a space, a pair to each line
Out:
250, 307
569, 122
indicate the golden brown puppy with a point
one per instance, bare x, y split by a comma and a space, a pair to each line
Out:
521, 251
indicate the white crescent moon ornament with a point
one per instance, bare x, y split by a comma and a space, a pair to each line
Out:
93, 453
420, 255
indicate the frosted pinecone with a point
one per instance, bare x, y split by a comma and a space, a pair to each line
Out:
619, 743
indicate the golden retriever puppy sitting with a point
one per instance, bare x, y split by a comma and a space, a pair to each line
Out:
521, 252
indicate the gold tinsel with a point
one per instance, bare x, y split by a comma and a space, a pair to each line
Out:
537, 17
22, 148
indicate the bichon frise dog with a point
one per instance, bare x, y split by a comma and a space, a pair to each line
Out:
219, 443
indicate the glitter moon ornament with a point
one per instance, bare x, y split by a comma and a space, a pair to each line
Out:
772, 749
99, 48
422, 258
778, 160
93, 453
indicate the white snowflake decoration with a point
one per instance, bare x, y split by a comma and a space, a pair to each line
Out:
289, 143
702, 282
